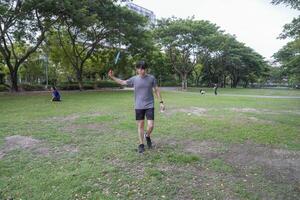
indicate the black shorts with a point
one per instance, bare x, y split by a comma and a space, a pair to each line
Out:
140, 114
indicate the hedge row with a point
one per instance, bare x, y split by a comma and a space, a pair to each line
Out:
64, 86
4, 88
88, 85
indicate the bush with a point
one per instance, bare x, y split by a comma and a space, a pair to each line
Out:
170, 84
88, 86
31, 87
107, 84
3, 88
68, 86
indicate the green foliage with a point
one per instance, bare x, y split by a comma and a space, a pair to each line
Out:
218, 56
92, 26
291, 30
24, 26
31, 87
289, 58
182, 40
88, 85
3, 88
68, 86
289, 55
292, 3
107, 84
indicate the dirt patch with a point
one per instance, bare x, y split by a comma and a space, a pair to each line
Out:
278, 164
189, 111
207, 149
20, 142
175, 176
200, 179
278, 167
16, 142
69, 148
253, 110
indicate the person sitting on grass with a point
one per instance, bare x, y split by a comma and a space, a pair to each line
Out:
55, 94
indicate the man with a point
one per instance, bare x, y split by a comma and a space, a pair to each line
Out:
143, 84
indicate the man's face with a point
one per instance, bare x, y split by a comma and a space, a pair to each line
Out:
141, 71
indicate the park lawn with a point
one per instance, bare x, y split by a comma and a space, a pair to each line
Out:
206, 147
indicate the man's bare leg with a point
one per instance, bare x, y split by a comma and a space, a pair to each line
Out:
141, 131
150, 126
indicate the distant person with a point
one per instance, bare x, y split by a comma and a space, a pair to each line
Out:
144, 84
216, 89
202, 92
55, 94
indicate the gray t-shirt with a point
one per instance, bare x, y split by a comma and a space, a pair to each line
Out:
143, 90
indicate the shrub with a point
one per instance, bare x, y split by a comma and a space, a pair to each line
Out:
31, 87
107, 84
3, 88
68, 86
88, 86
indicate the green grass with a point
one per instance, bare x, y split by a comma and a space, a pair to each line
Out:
247, 91
87, 146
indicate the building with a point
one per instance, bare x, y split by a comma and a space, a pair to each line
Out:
142, 11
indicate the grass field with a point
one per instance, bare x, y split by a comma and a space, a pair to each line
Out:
206, 147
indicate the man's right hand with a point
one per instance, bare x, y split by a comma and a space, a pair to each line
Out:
110, 73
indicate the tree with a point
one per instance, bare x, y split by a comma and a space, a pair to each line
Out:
295, 4
289, 55
24, 22
97, 25
32, 70
224, 57
289, 58
292, 29
182, 40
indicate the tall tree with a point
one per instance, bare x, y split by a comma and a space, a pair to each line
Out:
289, 58
182, 40
24, 22
289, 55
94, 25
225, 58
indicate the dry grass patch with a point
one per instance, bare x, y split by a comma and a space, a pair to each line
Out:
17, 142
189, 111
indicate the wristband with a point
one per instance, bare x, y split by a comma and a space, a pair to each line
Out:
161, 102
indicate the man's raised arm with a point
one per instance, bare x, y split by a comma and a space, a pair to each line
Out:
111, 75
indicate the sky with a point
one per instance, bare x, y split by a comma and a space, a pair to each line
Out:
257, 23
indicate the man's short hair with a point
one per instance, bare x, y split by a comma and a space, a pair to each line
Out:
141, 65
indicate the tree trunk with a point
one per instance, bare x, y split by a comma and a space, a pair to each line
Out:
183, 81
79, 79
14, 80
